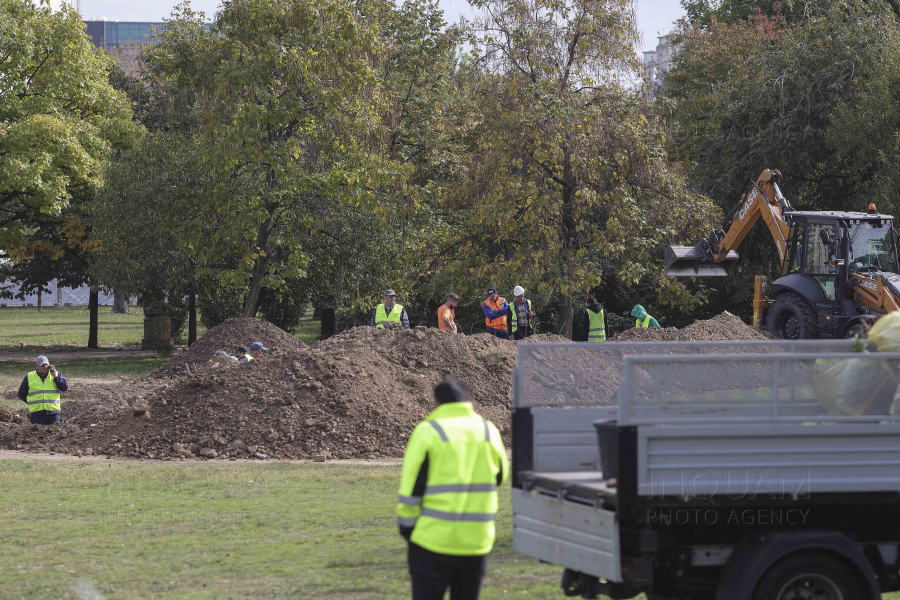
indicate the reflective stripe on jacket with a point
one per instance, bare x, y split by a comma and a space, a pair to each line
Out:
381, 316
514, 316
454, 462
495, 308
646, 322
596, 326
42, 395
442, 312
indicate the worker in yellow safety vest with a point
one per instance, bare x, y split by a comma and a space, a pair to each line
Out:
454, 463
595, 321
389, 312
40, 390
642, 319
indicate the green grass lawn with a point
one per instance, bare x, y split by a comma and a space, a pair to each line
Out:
220, 530
68, 325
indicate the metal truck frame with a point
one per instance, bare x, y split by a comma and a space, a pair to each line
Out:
733, 481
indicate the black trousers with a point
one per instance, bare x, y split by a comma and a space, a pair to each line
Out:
522, 332
43, 418
500, 333
433, 573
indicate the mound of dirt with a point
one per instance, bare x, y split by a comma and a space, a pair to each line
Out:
357, 394
227, 336
724, 327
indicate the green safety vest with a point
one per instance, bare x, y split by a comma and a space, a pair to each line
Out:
42, 395
513, 315
646, 323
596, 327
456, 512
381, 316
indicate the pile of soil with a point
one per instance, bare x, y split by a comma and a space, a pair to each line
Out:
721, 328
228, 336
358, 394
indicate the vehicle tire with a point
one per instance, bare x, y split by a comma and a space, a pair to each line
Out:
861, 329
808, 576
792, 318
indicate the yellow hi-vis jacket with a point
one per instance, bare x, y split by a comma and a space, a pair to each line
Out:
596, 326
644, 323
454, 462
381, 316
42, 395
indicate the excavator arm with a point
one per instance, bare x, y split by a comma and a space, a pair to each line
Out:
763, 199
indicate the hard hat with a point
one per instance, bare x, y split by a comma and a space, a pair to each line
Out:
518, 290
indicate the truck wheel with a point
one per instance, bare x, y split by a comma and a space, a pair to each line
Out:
808, 576
792, 318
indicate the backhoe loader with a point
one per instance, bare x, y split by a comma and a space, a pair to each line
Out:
839, 269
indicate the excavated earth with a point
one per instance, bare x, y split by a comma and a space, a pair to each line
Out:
357, 394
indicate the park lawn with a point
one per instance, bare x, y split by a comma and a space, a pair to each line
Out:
195, 530
67, 325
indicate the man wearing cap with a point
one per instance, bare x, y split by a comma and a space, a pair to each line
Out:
242, 354
495, 309
389, 312
40, 391
447, 506
256, 350
520, 315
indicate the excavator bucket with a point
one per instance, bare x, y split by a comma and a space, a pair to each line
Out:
685, 261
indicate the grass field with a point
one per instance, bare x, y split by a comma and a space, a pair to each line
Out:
68, 325
220, 530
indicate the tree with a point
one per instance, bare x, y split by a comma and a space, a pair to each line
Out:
765, 93
290, 101
568, 168
59, 117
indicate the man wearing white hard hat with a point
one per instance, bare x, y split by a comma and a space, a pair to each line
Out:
521, 317
40, 391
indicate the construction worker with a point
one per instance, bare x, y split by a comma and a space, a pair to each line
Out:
454, 462
242, 354
447, 313
226, 355
643, 320
389, 311
520, 315
495, 308
256, 350
40, 391
595, 321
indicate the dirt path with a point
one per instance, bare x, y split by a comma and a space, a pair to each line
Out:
76, 355
18, 455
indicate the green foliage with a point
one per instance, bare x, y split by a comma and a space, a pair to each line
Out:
568, 169
289, 103
59, 117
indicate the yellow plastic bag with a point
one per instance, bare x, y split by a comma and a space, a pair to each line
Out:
886, 332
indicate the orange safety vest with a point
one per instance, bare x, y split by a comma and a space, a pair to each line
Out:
499, 322
442, 312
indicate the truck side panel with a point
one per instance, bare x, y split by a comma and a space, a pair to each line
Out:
583, 538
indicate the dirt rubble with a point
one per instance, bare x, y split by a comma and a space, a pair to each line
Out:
723, 327
357, 394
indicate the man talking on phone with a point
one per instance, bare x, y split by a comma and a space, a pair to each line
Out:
40, 391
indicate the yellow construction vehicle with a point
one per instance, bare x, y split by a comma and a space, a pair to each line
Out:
839, 269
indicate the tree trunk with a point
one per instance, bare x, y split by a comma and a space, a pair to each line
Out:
192, 319
40, 298
566, 314
120, 306
329, 322
93, 302
259, 269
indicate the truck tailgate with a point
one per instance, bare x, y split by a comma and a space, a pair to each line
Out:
569, 534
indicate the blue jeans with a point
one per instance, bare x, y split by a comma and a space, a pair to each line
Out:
44, 419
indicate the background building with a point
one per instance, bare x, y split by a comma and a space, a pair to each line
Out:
119, 34
658, 62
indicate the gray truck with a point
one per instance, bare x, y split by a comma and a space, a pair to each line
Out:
727, 471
